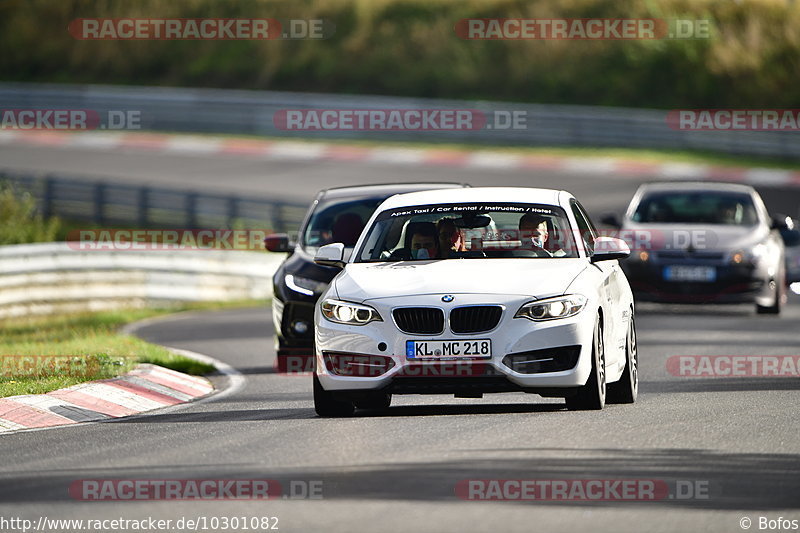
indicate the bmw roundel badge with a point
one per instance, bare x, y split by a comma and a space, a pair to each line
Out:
447, 298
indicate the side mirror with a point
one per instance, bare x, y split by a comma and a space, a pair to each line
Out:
277, 242
608, 248
331, 255
610, 219
781, 222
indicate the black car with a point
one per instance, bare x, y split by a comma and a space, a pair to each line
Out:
336, 215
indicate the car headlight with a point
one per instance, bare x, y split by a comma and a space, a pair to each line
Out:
349, 313
752, 255
552, 308
304, 285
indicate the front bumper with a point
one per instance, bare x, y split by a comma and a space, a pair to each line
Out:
454, 375
733, 284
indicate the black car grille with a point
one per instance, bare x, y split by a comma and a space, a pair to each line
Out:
475, 318
419, 320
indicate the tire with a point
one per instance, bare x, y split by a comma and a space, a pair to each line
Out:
327, 405
775, 308
592, 396
375, 400
626, 390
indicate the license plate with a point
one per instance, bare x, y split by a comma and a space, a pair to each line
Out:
690, 273
445, 349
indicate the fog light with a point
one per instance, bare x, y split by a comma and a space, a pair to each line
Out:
541, 361
360, 365
300, 327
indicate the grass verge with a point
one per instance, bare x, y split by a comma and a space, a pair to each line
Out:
42, 354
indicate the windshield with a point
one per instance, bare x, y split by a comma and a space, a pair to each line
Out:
463, 231
340, 220
701, 207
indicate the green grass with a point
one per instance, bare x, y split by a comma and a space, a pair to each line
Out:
409, 48
19, 220
89, 346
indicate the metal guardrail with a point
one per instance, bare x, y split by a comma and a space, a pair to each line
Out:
251, 112
46, 278
105, 203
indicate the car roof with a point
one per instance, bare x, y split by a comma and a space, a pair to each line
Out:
384, 189
695, 186
526, 195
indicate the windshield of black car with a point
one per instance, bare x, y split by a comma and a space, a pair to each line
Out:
468, 230
696, 207
339, 220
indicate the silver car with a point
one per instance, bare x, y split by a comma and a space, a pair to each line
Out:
704, 242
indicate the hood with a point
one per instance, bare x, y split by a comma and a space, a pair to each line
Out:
702, 237
538, 278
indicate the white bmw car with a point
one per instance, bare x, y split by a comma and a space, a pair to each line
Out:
475, 291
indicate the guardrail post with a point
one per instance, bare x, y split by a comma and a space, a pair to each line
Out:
233, 210
191, 210
278, 223
99, 202
142, 205
49, 196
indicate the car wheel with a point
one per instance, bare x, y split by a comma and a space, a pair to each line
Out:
327, 405
592, 396
775, 308
375, 400
627, 388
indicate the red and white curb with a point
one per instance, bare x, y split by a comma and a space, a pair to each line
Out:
472, 159
145, 388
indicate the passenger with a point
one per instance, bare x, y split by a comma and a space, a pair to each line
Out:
450, 238
533, 233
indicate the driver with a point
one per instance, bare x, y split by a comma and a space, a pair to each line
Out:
533, 233
425, 241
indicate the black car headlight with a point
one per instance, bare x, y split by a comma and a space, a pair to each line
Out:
304, 285
552, 308
349, 313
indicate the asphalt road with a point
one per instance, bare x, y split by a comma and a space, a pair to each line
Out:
296, 179
397, 470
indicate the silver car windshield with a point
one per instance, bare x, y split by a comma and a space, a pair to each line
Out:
471, 230
700, 207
